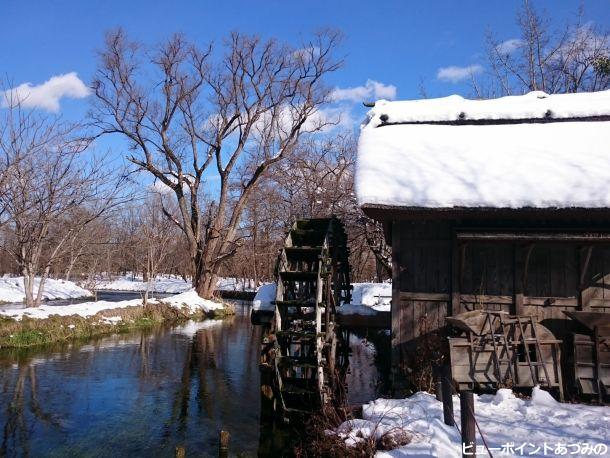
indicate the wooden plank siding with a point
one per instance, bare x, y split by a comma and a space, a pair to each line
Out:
436, 273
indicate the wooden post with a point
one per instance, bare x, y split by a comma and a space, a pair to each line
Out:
457, 254
180, 452
447, 395
468, 423
223, 446
584, 259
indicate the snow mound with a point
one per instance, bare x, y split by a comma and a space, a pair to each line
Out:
12, 289
264, 296
369, 298
191, 301
503, 418
552, 165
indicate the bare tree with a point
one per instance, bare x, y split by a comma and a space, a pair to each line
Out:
320, 181
156, 232
50, 195
190, 119
573, 59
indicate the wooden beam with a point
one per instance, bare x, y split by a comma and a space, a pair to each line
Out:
533, 236
432, 297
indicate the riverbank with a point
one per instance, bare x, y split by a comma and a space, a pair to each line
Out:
47, 323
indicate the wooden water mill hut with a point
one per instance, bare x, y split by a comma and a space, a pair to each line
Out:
498, 205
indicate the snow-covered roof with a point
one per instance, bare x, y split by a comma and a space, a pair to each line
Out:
535, 150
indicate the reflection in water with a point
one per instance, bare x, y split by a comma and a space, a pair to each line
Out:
141, 394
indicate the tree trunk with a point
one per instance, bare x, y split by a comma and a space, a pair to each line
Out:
28, 286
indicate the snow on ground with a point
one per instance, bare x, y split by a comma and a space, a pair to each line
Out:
192, 302
503, 418
552, 165
84, 309
12, 289
158, 285
367, 298
188, 300
164, 284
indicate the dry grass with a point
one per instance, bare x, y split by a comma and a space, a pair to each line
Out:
29, 332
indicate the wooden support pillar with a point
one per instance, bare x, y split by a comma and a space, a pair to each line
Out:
457, 261
468, 423
518, 272
522, 254
584, 260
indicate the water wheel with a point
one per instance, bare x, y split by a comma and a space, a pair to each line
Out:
304, 357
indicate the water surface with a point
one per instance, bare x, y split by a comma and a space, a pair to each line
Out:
146, 392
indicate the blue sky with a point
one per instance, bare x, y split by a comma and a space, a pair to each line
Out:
396, 43
393, 42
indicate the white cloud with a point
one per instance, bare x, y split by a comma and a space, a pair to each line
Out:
371, 91
330, 118
46, 95
455, 74
509, 46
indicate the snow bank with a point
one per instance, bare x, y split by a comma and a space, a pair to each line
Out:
188, 301
163, 284
264, 295
377, 296
191, 301
12, 289
550, 165
503, 418
367, 298
84, 309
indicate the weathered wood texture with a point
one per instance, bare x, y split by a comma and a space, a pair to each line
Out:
436, 273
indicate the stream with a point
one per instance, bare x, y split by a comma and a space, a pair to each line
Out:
144, 393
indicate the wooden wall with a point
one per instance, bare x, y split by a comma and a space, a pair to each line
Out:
435, 274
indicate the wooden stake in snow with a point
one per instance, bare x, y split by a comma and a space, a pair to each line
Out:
468, 423
447, 395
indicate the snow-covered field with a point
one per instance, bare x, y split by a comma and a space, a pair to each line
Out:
164, 284
367, 298
12, 290
188, 301
539, 426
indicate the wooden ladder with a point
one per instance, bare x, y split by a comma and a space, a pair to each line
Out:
523, 322
499, 341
